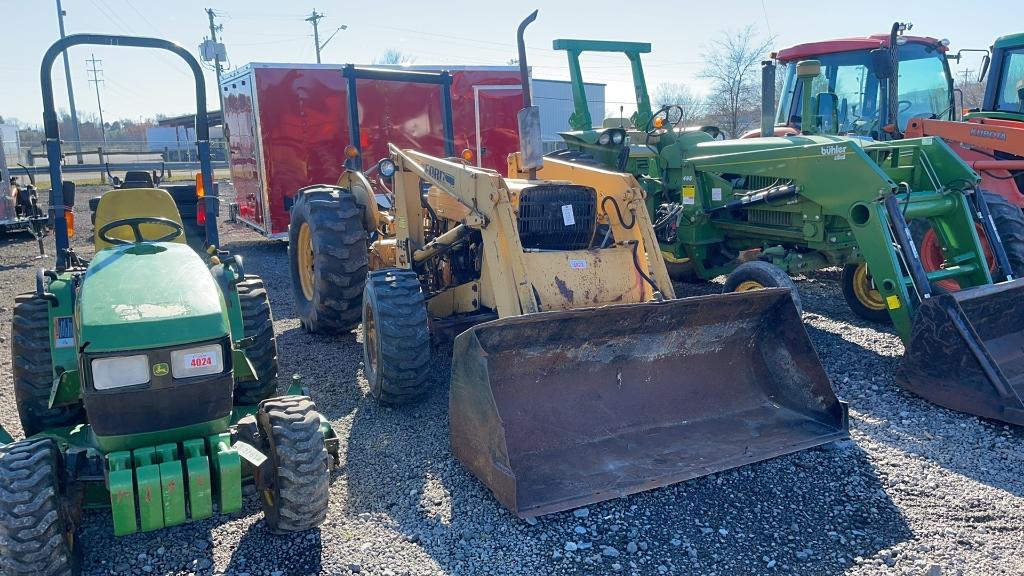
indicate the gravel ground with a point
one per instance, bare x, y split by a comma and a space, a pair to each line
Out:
919, 490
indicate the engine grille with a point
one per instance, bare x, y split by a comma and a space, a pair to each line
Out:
769, 217
557, 217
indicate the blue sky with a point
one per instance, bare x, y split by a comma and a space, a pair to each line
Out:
142, 83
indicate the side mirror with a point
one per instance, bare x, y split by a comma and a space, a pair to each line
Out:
881, 64
826, 106
531, 146
986, 61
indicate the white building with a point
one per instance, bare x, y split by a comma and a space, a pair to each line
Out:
554, 98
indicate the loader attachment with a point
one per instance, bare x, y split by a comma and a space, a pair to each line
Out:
560, 409
966, 351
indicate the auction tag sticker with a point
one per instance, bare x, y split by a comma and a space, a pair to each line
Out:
689, 194
64, 332
927, 141
716, 194
567, 216
249, 452
577, 264
200, 359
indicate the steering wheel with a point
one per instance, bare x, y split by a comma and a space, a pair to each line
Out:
134, 224
902, 108
670, 117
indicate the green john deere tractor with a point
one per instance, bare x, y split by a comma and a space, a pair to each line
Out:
763, 208
145, 379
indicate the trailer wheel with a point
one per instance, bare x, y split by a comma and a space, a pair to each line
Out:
262, 352
37, 530
327, 255
32, 366
396, 340
682, 270
861, 295
296, 489
757, 275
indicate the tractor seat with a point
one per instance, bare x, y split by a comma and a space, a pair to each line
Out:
133, 203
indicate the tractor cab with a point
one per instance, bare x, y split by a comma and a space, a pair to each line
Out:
1004, 93
851, 85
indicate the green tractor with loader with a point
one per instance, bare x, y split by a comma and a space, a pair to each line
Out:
760, 209
145, 378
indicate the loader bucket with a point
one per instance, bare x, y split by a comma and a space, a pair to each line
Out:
966, 351
560, 409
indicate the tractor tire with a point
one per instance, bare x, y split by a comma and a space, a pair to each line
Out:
756, 275
296, 494
32, 367
396, 339
863, 300
1009, 221
262, 352
36, 527
682, 272
327, 256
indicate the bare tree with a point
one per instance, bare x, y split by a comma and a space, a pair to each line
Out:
732, 63
973, 91
693, 106
393, 56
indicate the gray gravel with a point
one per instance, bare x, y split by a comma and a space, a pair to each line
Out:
919, 490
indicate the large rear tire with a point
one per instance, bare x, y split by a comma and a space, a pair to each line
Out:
1009, 221
396, 338
861, 296
297, 492
757, 275
327, 254
32, 366
262, 352
36, 528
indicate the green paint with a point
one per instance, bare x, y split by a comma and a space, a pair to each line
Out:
67, 389
132, 300
172, 484
147, 481
200, 489
580, 119
227, 467
122, 493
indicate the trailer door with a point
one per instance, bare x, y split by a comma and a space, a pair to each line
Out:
244, 155
495, 109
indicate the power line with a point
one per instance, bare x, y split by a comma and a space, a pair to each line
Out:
96, 79
314, 19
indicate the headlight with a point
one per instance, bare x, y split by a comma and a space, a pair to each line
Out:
604, 139
120, 371
198, 361
618, 137
386, 168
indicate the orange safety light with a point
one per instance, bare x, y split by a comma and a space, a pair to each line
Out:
351, 151
659, 122
201, 203
69, 217
467, 155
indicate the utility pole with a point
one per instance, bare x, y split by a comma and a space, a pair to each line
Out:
96, 79
71, 91
214, 28
315, 18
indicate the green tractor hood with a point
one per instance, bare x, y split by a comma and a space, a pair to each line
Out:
148, 296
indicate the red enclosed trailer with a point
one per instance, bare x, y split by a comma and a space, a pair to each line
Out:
288, 124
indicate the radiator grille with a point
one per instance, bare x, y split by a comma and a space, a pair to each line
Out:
769, 217
557, 217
